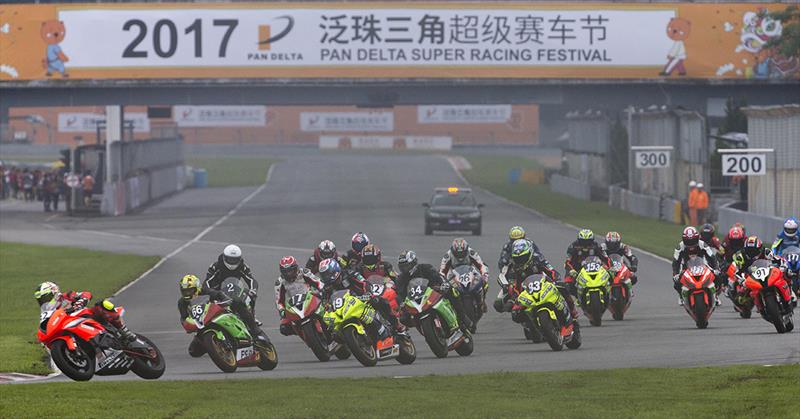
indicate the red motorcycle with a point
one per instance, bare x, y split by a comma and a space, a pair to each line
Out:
770, 291
698, 291
384, 289
620, 299
82, 347
305, 311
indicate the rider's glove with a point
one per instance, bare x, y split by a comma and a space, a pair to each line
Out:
573, 273
444, 288
676, 278
282, 312
79, 304
252, 293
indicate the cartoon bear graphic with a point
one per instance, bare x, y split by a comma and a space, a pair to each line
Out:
678, 30
53, 32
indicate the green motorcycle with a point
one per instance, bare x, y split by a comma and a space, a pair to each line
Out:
225, 336
436, 319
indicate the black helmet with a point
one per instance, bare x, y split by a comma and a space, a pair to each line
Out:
707, 232
371, 256
407, 261
753, 247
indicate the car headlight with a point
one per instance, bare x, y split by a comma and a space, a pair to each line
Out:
435, 214
475, 214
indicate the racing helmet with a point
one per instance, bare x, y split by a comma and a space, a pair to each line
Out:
753, 248
46, 292
521, 254
585, 237
371, 256
690, 237
327, 250
359, 241
407, 261
707, 232
289, 268
736, 238
613, 241
790, 227
232, 257
190, 286
516, 233
459, 250
329, 271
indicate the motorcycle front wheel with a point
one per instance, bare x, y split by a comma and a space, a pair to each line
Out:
268, 357
361, 346
773, 312
77, 364
435, 336
222, 352
314, 340
700, 309
550, 331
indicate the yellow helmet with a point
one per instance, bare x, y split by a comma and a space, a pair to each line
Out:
516, 233
190, 286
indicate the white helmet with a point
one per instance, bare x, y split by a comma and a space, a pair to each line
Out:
232, 256
692, 184
790, 227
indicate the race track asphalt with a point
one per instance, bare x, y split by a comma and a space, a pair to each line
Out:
330, 196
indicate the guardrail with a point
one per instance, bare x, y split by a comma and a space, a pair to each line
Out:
658, 207
764, 226
569, 186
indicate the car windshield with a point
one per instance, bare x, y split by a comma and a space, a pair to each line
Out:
453, 200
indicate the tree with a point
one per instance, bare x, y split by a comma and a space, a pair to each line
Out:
788, 44
735, 120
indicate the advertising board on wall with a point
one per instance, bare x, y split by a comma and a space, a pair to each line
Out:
86, 122
386, 142
219, 116
463, 114
346, 121
388, 40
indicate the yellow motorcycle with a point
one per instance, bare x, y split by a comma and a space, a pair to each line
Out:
547, 313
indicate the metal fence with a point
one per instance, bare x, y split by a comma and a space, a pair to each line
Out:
778, 192
569, 186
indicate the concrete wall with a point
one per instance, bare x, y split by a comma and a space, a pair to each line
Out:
569, 186
658, 207
763, 226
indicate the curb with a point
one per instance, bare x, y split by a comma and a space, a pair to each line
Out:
454, 164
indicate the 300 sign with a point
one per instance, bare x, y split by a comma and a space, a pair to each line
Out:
652, 159
744, 164
165, 37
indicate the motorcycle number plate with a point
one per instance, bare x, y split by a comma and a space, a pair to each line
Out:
243, 353
454, 221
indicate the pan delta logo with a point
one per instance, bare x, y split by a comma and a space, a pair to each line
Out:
268, 35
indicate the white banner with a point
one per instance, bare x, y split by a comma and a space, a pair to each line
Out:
463, 114
735, 164
299, 37
346, 121
385, 142
219, 116
87, 121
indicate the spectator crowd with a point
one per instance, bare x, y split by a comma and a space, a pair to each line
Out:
30, 185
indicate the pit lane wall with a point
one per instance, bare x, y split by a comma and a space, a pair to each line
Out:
141, 172
764, 226
390, 41
658, 207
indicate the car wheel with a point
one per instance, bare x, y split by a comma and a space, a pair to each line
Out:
477, 231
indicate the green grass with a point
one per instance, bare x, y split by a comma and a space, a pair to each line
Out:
491, 173
233, 171
23, 267
738, 391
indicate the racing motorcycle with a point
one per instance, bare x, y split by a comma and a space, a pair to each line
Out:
698, 291
765, 283
594, 286
470, 287
435, 318
82, 347
791, 257
620, 299
224, 335
365, 332
742, 302
547, 314
305, 311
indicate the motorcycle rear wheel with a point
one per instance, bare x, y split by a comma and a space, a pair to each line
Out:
468, 302
745, 314
146, 368
222, 353
343, 353
314, 340
466, 346
65, 360
434, 336
700, 309
362, 348
576, 341
550, 331
618, 302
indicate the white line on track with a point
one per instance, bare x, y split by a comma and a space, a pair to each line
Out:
452, 162
202, 234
